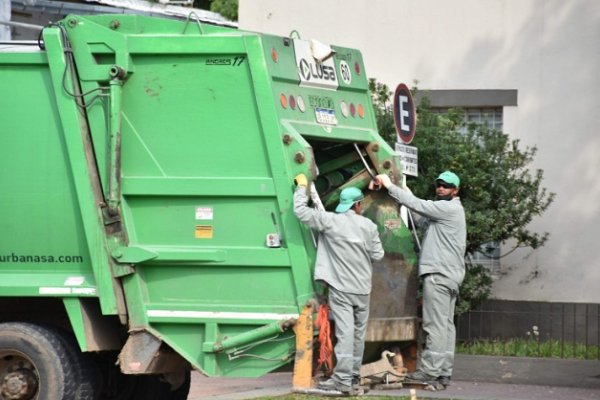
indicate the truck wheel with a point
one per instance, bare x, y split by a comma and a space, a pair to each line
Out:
34, 364
84, 369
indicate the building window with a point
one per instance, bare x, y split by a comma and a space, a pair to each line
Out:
488, 256
490, 116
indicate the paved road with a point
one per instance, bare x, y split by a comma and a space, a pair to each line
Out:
276, 384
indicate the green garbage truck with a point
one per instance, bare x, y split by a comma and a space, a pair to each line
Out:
146, 183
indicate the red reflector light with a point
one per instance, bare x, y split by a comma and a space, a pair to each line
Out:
274, 54
352, 109
283, 99
292, 101
357, 67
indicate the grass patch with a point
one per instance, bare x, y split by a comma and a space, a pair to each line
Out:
310, 397
529, 348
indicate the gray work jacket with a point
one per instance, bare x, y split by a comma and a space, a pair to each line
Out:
445, 239
348, 243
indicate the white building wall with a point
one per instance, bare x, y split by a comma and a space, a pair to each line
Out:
548, 50
4, 16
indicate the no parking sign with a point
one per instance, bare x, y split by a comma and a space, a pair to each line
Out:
405, 114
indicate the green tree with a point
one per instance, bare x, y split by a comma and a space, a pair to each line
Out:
500, 192
227, 8
381, 96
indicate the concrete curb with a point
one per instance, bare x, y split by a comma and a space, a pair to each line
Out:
528, 371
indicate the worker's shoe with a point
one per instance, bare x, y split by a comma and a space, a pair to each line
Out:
329, 384
444, 380
346, 390
421, 377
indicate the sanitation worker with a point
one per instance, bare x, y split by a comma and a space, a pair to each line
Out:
348, 244
441, 268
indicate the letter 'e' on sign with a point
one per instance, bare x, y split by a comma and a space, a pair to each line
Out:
405, 114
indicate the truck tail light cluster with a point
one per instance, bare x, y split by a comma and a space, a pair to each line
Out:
294, 102
352, 109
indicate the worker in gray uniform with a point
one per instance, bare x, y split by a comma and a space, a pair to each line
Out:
441, 268
348, 244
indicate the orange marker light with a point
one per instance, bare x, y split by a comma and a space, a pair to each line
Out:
361, 111
283, 99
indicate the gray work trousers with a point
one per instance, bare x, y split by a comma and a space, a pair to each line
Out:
350, 313
439, 299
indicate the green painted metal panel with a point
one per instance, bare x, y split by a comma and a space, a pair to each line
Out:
168, 174
82, 171
42, 240
75, 313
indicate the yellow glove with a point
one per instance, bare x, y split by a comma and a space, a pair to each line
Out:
301, 180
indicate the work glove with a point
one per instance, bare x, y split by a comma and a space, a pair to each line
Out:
383, 179
301, 180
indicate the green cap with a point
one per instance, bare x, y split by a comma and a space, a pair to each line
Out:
449, 177
348, 197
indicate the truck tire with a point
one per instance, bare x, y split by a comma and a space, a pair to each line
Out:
30, 354
86, 375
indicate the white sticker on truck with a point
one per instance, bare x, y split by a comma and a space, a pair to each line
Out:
346, 72
204, 213
59, 290
312, 73
74, 281
219, 315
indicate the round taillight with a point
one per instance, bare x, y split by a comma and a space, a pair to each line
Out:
283, 99
361, 111
274, 54
292, 102
301, 105
352, 109
344, 108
